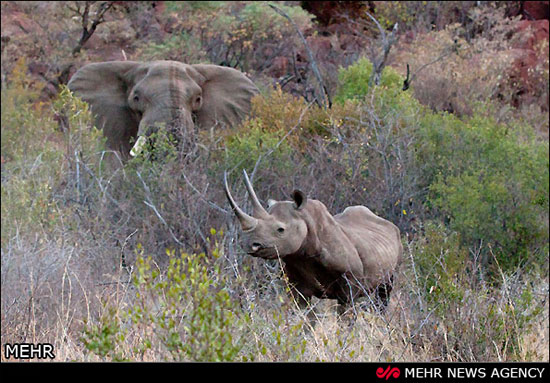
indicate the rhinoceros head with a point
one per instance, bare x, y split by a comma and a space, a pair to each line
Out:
276, 232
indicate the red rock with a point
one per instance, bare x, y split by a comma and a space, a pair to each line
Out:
331, 12
538, 31
279, 67
15, 23
537, 10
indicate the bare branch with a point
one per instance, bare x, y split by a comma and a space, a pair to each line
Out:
87, 29
149, 203
452, 49
202, 197
382, 32
325, 97
378, 62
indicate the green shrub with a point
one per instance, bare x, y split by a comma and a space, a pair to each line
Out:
440, 263
39, 157
262, 21
161, 147
267, 133
178, 47
492, 187
243, 151
178, 6
354, 80
192, 314
105, 338
233, 33
23, 129
487, 180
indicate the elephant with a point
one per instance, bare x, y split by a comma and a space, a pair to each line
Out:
131, 99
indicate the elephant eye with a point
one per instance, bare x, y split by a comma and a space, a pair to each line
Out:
136, 98
197, 103
281, 230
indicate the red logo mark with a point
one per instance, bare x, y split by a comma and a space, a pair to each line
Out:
388, 372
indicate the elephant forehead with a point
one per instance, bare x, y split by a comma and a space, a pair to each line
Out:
169, 70
179, 87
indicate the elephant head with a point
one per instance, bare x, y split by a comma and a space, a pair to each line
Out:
133, 99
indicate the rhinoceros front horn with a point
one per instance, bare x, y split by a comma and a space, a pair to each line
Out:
247, 222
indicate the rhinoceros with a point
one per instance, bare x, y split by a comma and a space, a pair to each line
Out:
343, 257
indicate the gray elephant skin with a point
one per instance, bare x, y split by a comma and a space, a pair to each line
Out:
131, 99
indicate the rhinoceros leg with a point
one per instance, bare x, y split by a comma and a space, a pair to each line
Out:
347, 312
383, 295
304, 304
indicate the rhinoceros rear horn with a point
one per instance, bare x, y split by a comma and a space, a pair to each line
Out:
299, 199
247, 222
259, 210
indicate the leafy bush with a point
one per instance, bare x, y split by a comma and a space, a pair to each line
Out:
186, 310
178, 6
39, 158
104, 339
189, 311
492, 187
243, 151
441, 62
354, 80
441, 262
178, 47
189, 308
421, 15
48, 154
488, 179
19, 118
242, 35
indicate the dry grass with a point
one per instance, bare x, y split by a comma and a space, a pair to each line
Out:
53, 300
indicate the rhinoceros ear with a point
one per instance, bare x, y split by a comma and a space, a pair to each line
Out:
299, 198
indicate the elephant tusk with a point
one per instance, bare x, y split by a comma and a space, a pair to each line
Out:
138, 146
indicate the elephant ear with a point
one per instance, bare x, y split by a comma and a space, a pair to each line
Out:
105, 87
226, 95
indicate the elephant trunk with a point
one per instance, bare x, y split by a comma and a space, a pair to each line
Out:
177, 121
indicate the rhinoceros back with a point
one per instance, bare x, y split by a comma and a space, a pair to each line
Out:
377, 241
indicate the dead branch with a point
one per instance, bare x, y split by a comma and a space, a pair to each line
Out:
150, 204
123, 263
452, 49
84, 13
325, 99
379, 61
